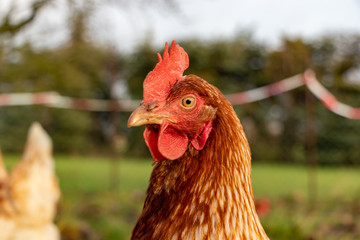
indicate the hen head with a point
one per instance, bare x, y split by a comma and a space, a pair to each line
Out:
177, 110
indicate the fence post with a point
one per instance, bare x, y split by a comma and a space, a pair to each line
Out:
115, 158
311, 148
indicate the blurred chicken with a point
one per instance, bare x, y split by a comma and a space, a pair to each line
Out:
30, 192
6, 221
3, 173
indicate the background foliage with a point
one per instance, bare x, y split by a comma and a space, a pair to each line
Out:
276, 127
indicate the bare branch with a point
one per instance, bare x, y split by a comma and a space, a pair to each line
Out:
8, 27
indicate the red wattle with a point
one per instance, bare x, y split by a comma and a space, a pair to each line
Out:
172, 143
151, 139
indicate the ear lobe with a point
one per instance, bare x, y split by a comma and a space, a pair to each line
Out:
172, 143
199, 142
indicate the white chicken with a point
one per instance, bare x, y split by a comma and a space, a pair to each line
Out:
7, 224
30, 192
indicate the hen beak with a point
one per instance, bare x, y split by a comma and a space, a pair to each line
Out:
143, 116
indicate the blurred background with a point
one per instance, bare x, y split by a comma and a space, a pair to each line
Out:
306, 159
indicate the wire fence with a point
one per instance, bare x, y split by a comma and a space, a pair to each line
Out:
282, 131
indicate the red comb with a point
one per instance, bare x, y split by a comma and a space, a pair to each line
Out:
167, 72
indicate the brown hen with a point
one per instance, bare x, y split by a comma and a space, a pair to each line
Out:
200, 187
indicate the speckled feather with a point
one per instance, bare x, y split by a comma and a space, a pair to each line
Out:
204, 194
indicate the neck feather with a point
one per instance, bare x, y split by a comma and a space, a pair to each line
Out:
205, 194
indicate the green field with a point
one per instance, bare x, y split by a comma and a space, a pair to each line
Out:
93, 207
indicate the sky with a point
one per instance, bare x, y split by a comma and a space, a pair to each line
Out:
125, 27
268, 20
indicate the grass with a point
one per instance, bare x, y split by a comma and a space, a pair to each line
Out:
93, 208
333, 214
279, 180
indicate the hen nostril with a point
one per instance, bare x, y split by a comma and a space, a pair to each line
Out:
151, 106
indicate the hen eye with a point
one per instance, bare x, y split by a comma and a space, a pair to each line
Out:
188, 102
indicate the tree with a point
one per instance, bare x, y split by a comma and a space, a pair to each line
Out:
7, 25
75, 69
